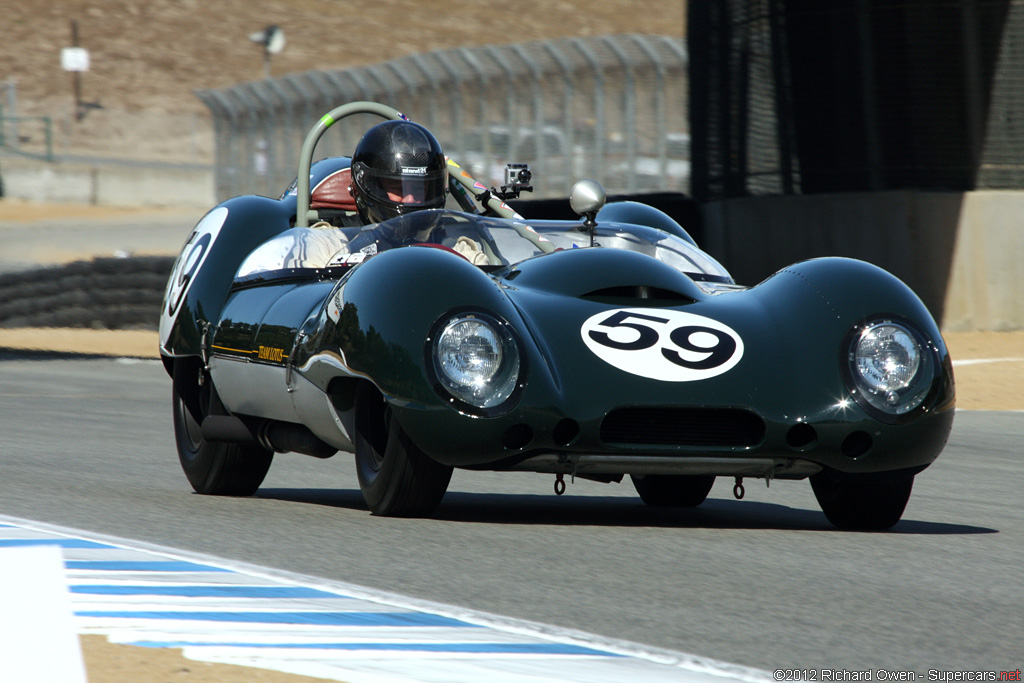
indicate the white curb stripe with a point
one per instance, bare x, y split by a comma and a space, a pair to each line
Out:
223, 611
980, 361
37, 633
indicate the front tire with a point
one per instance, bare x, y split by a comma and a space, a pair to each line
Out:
397, 479
221, 469
673, 490
862, 503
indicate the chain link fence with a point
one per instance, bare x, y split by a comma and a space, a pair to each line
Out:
612, 108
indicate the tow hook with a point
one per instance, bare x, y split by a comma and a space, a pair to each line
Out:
559, 484
738, 490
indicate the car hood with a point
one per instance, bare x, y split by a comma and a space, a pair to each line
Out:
615, 329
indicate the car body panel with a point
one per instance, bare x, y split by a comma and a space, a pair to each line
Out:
374, 322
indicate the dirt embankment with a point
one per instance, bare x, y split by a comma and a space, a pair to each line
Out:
148, 58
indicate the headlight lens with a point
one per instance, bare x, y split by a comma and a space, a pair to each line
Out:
476, 359
891, 366
888, 357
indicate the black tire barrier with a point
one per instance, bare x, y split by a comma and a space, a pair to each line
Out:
104, 293
110, 293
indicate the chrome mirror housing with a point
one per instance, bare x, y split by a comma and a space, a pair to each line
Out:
587, 197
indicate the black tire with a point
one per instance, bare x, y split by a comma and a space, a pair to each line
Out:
673, 490
862, 503
397, 478
221, 469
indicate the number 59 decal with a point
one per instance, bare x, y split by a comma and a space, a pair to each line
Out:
191, 258
666, 345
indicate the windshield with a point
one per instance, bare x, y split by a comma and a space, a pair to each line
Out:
487, 242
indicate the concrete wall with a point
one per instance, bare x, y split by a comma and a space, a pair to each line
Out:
963, 253
107, 184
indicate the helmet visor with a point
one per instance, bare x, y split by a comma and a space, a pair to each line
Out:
418, 187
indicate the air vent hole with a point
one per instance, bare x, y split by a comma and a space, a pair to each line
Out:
801, 436
517, 437
857, 444
565, 432
638, 293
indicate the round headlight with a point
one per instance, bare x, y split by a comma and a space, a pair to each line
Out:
891, 367
888, 357
476, 359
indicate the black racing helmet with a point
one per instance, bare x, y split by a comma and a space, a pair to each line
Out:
398, 167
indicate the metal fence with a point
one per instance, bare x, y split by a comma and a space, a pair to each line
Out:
29, 136
613, 108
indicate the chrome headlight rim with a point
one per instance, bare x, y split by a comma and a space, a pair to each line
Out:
510, 375
906, 403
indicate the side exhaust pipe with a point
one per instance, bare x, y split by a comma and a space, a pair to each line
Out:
286, 436
281, 437
227, 428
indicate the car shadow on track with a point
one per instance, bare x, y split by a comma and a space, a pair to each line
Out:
609, 511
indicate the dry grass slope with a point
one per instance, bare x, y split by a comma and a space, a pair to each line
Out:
148, 56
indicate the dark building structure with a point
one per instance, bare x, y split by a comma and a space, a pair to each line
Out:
813, 96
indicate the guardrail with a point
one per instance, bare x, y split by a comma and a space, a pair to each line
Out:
29, 136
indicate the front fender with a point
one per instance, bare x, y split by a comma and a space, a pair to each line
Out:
379, 317
860, 289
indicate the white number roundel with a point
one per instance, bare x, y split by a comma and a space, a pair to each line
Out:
661, 344
195, 251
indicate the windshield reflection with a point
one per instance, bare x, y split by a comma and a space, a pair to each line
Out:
483, 241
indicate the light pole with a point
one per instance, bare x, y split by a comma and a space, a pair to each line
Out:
272, 40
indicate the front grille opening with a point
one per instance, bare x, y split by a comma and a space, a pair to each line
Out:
718, 427
638, 293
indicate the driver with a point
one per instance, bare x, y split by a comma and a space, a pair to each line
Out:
397, 168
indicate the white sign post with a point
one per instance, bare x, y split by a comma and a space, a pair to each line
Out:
76, 60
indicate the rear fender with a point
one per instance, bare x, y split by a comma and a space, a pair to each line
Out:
642, 214
204, 270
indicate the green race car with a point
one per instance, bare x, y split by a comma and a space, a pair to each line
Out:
597, 348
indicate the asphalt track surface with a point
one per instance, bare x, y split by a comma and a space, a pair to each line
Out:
764, 582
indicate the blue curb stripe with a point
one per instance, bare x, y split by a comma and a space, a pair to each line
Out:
293, 618
209, 591
461, 648
222, 611
66, 543
120, 566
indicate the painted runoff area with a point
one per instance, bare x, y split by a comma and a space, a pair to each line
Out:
57, 582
